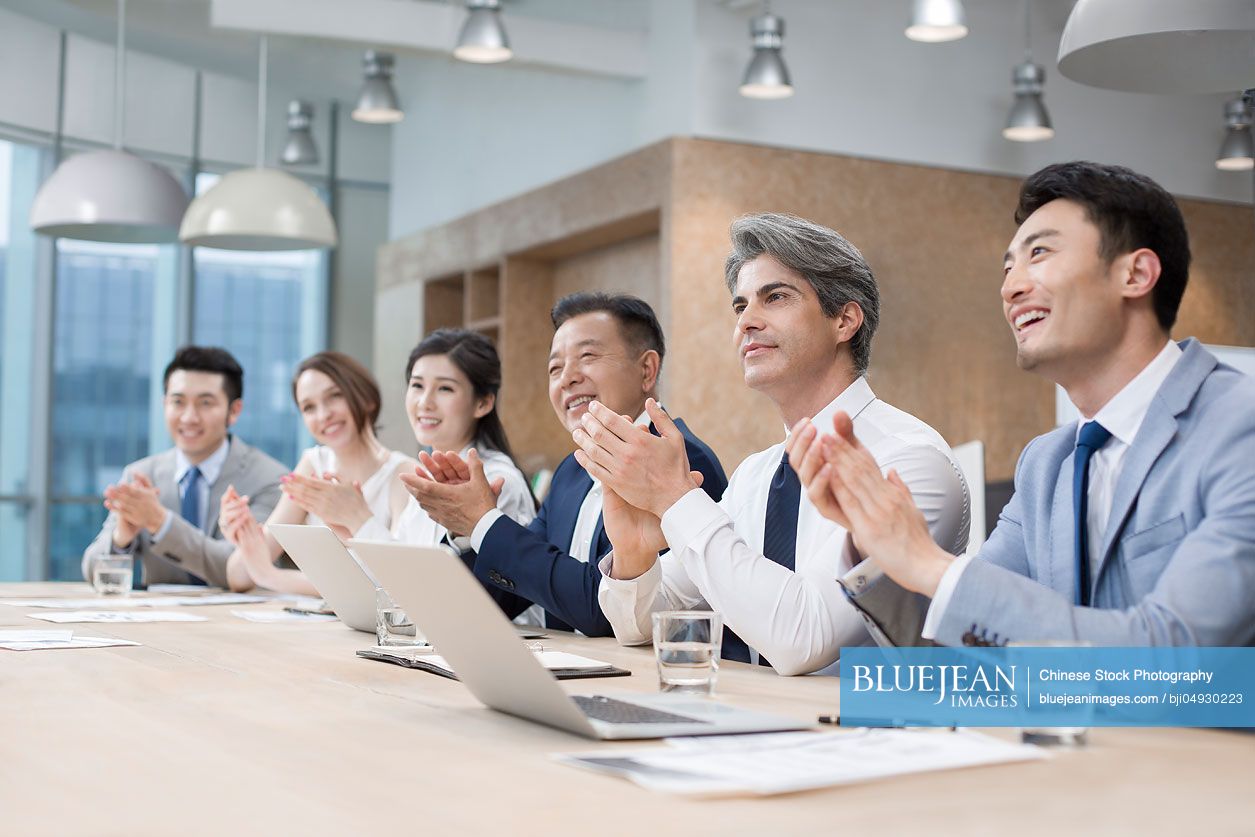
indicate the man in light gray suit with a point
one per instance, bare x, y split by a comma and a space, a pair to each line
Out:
1134, 526
164, 510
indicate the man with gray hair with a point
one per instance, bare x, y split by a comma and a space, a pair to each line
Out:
806, 306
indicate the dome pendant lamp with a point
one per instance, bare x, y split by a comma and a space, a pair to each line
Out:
111, 195
767, 77
259, 208
1028, 120
483, 39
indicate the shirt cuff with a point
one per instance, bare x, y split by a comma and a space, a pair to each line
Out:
687, 518
861, 575
481, 528
164, 529
945, 591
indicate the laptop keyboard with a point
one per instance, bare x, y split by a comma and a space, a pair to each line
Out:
620, 712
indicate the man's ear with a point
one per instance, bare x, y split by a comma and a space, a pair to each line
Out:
233, 412
649, 364
848, 321
1139, 273
484, 405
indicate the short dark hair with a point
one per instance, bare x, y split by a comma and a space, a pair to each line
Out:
826, 260
1130, 210
209, 359
637, 320
354, 380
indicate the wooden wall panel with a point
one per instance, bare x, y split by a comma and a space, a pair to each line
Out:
626, 267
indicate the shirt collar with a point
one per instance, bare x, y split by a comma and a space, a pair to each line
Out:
1124, 413
853, 400
210, 469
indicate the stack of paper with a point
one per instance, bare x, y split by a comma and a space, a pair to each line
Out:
786, 762
41, 640
117, 616
283, 616
137, 601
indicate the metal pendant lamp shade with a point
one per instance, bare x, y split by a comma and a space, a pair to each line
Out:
1237, 152
483, 39
1160, 46
259, 208
111, 195
1028, 120
935, 21
377, 102
767, 77
299, 148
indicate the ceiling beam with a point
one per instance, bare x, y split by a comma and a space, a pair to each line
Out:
433, 27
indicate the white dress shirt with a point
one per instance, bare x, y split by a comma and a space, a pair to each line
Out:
376, 490
798, 619
210, 470
1123, 416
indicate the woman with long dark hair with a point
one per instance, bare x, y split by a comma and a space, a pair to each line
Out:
346, 479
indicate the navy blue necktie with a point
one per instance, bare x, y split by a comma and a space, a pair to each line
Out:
1092, 437
779, 542
190, 508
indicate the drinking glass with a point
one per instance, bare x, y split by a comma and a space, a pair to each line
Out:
687, 644
393, 627
112, 575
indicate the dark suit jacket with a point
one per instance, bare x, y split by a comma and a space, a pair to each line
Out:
521, 565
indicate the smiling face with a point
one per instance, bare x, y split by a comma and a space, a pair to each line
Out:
441, 404
590, 360
325, 410
1063, 300
198, 413
782, 337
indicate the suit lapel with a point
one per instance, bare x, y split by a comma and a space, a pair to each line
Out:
1158, 430
569, 512
231, 470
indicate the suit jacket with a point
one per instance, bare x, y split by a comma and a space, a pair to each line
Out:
1178, 556
521, 565
186, 552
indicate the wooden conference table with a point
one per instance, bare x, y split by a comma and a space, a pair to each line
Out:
230, 726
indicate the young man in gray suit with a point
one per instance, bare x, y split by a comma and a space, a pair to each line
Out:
164, 510
1134, 526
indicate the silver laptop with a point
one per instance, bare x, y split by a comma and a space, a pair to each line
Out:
468, 629
332, 569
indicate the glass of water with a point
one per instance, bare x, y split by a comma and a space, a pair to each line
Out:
687, 644
1057, 736
393, 628
112, 575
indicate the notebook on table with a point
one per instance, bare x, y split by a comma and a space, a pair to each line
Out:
560, 664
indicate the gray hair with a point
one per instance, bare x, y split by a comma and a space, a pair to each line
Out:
833, 266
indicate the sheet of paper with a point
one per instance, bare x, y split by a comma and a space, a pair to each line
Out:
549, 659
36, 636
281, 616
63, 639
117, 616
178, 589
761, 765
111, 603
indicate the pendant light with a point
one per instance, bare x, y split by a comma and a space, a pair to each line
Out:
1028, 120
1237, 152
377, 102
483, 39
111, 195
299, 148
259, 208
767, 77
1186, 46
935, 21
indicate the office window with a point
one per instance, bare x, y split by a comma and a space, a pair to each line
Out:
269, 310
103, 380
21, 166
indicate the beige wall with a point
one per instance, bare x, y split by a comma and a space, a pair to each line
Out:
934, 238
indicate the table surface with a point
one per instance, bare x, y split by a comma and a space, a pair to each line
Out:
230, 725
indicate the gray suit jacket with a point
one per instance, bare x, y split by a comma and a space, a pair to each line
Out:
1178, 557
185, 551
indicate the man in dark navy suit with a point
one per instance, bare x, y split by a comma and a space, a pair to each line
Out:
607, 348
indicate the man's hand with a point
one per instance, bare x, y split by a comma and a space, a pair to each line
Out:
137, 505
879, 510
455, 503
649, 472
339, 504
